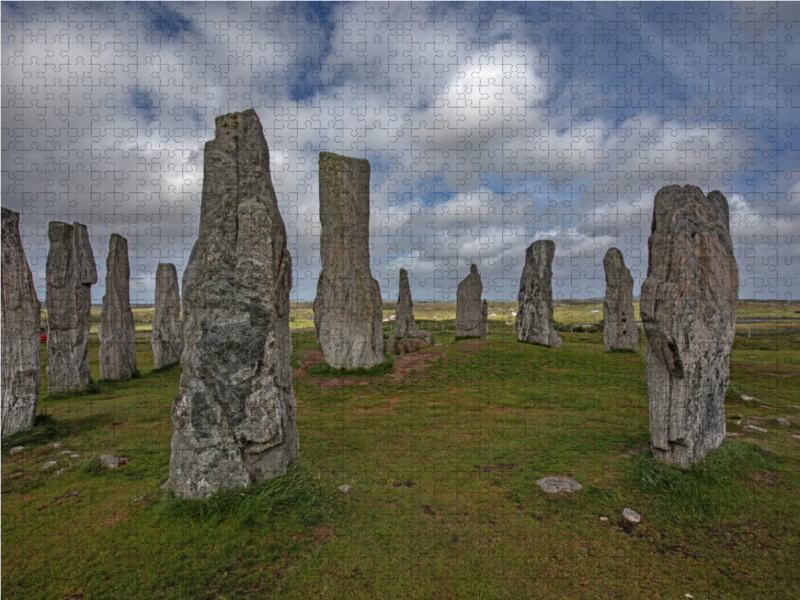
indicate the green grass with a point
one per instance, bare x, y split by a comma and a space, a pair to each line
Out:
325, 370
443, 462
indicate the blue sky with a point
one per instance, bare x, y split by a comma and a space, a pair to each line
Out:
488, 126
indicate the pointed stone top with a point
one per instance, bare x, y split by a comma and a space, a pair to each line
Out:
473, 270
614, 257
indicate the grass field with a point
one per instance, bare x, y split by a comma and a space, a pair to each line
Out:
443, 453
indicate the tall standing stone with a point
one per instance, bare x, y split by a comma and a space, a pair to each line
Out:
471, 314
407, 336
404, 323
71, 271
117, 329
535, 313
235, 414
348, 311
688, 308
20, 336
167, 338
619, 325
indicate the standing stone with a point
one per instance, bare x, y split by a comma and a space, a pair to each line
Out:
117, 330
407, 337
535, 314
348, 309
20, 335
71, 271
471, 314
619, 326
688, 307
167, 338
235, 414
404, 323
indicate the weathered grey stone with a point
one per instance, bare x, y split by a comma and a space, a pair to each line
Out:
117, 330
16, 450
235, 414
553, 485
407, 337
404, 323
71, 271
783, 422
167, 338
471, 312
619, 325
688, 308
754, 429
420, 340
535, 313
345, 488
631, 515
109, 461
348, 312
20, 334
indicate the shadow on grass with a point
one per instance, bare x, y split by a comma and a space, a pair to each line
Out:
325, 370
703, 492
45, 430
298, 491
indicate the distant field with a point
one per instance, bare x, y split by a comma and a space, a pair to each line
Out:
564, 311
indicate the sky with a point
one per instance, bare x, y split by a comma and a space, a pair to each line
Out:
488, 126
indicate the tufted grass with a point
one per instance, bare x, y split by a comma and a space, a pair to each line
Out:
444, 504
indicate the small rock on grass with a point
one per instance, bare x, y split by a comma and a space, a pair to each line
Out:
784, 422
65, 452
49, 464
58, 445
793, 406
553, 485
60, 472
16, 450
754, 429
768, 450
631, 515
112, 462
345, 488
604, 519
748, 398
750, 422
732, 434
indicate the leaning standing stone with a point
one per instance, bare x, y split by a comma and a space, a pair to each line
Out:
235, 413
71, 271
167, 338
348, 308
404, 323
535, 314
688, 307
471, 314
117, 329
619, 326
20, 335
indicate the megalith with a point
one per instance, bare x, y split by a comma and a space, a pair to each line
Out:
235, 414
71, 271
348, 311
117, 329
471, 313
20, 335
407, 337
688, 309
534, 321
167, 337
619, 325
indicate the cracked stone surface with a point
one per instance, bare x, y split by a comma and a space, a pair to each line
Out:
471, 312
619, 324
534, 321
117, 330
348, 310
167, 338
235, 413
688, 309
21, 373
71, 272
